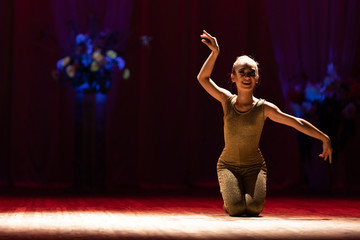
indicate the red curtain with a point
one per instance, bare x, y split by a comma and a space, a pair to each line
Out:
6, 38
178, 129
307, 36
162, 128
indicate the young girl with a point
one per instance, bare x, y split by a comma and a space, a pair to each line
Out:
241, 167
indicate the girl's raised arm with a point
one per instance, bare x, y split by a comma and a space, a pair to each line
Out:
203, 77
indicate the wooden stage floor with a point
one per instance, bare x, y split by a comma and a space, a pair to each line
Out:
174, 216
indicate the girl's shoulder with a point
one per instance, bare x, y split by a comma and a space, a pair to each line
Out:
269, 105
270, 109
230, 101
259, 102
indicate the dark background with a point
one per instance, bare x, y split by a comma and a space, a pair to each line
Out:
162, 130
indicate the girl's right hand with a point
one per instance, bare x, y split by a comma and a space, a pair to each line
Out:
210, 41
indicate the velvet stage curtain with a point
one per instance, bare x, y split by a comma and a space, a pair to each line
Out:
39, 139
178, 131
307, 36
162, 129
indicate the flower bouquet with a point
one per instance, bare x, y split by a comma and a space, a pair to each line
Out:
91, 66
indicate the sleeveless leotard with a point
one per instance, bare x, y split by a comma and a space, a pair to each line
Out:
242, 131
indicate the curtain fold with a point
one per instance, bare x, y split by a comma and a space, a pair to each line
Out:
6, 41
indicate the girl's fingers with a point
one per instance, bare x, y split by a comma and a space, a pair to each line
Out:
205, 36
323, 155
208, 38
208, 34
326, 156
204, 41
207, 43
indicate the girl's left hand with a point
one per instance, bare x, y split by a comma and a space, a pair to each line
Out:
327, 151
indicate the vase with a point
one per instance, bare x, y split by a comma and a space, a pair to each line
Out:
90, 141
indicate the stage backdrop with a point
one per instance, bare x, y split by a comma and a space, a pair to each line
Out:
162, 128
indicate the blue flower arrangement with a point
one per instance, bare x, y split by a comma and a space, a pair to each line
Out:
332, 94
91, 66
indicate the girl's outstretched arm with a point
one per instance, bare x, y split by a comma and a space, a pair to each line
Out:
203, 77
274, 113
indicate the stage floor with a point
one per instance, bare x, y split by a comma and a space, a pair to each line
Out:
175, 216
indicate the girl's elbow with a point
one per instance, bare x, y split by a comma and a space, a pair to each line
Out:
201, 78
300, 121
300, 124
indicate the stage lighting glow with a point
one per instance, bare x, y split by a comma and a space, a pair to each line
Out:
202, 226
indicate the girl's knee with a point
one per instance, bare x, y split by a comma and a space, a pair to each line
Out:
254, 209
235, 209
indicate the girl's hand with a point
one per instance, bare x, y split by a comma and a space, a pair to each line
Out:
327, 151
210, 41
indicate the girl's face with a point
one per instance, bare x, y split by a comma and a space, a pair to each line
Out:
245, 77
